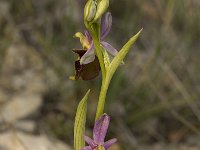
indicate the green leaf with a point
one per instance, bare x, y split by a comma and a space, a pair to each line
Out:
122, 53
79, 125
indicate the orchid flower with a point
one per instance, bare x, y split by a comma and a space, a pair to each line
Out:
86, 71
99, 133
87, 42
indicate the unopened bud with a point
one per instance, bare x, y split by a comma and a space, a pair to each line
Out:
101, 9
90, 10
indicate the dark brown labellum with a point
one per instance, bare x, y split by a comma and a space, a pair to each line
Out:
88, 71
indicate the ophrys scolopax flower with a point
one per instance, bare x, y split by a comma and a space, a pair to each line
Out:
87, 54
87, 42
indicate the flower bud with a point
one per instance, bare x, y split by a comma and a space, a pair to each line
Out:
101, 9
90, 10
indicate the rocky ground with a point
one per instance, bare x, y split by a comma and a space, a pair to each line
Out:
22, 87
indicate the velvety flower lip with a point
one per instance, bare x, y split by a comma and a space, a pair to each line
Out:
99, 133
87, 42
88, 71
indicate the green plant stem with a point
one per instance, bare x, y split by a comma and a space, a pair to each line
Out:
98, 48
102, 97
95, 28
103, 93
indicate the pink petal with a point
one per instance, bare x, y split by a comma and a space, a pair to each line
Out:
100, 129
106, 25
88, 57
109, 143
89, 141
109, 48
88, 36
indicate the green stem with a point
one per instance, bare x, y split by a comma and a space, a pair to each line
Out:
98, 49
102, 97
103, 93
105, 80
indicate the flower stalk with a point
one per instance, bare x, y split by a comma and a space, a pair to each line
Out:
98, 48
102, 97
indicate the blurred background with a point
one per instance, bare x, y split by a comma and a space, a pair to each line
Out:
153, 99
